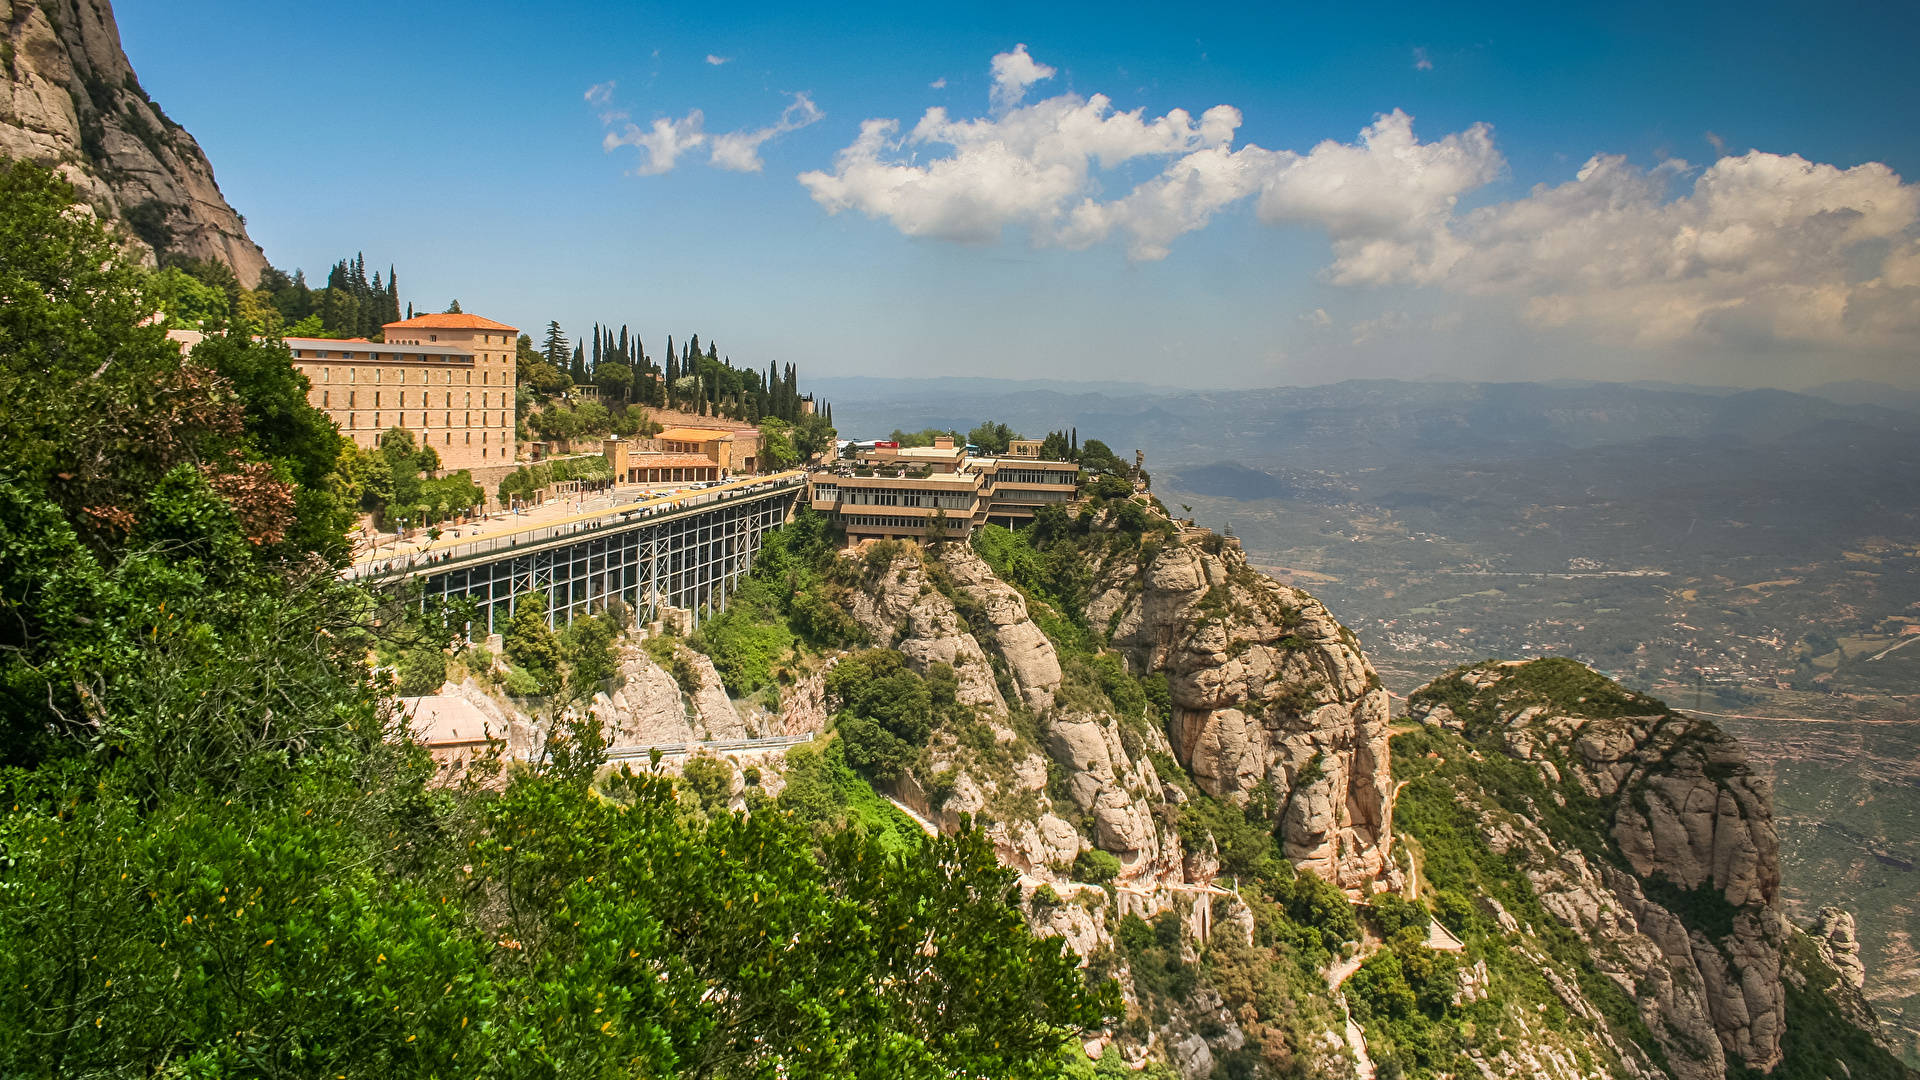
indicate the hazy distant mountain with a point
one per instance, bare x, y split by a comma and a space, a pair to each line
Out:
1866, 392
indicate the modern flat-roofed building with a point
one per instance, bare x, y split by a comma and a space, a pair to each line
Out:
448, 379
918, 493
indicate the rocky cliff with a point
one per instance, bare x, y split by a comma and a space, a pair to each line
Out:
1641, 837
1189, 767
74, 104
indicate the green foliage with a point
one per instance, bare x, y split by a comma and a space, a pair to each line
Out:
1096, 457
1096, 866
666, 651
923, 437
776, 444
221, 856
396, 482
188, 303
992, 438
825, 793
1393, 913
708, 781
1403, 995
744, 643
587, 647
1162, 977
420, 671
1567, 686
531, 643
813, 433
884, 711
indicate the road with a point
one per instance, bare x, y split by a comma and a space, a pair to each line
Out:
554, 518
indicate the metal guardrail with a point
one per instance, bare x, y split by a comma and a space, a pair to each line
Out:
680, 749
614, 519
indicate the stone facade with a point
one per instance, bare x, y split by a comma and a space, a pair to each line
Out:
448, 379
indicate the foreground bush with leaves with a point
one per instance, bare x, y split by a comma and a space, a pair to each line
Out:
219, 856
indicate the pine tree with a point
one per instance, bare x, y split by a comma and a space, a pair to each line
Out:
556, 350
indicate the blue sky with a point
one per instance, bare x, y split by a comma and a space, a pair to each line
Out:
459, 142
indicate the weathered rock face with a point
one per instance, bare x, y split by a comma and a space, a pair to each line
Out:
1030, 657
902, 610
719, 720
647, 709
1116, 792
1683, 911
1268, 693
1267, 688
1834, 935
74, 104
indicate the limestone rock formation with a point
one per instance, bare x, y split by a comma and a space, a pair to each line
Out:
1683, 912
1833, 933
74, 104
646, 710
1030, 657
719, 720
902, 610
1268, 689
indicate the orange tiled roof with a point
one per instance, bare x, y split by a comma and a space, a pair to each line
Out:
449, 322
693, 434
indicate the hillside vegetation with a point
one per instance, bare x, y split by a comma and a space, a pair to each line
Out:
221, 856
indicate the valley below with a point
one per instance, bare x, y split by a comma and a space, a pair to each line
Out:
1749, 556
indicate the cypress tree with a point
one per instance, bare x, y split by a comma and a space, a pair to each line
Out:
672, 374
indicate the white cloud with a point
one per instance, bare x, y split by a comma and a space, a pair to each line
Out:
662, 144
739, 151
1752, 249
716, 61
1385, 200
1421, 61
938, 84
1032, 166
1763, 247
1013, 72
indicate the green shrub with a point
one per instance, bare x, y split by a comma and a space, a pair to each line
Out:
1096, 866
884, 711
1393, 913
709, 780
420, 671
519, 683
